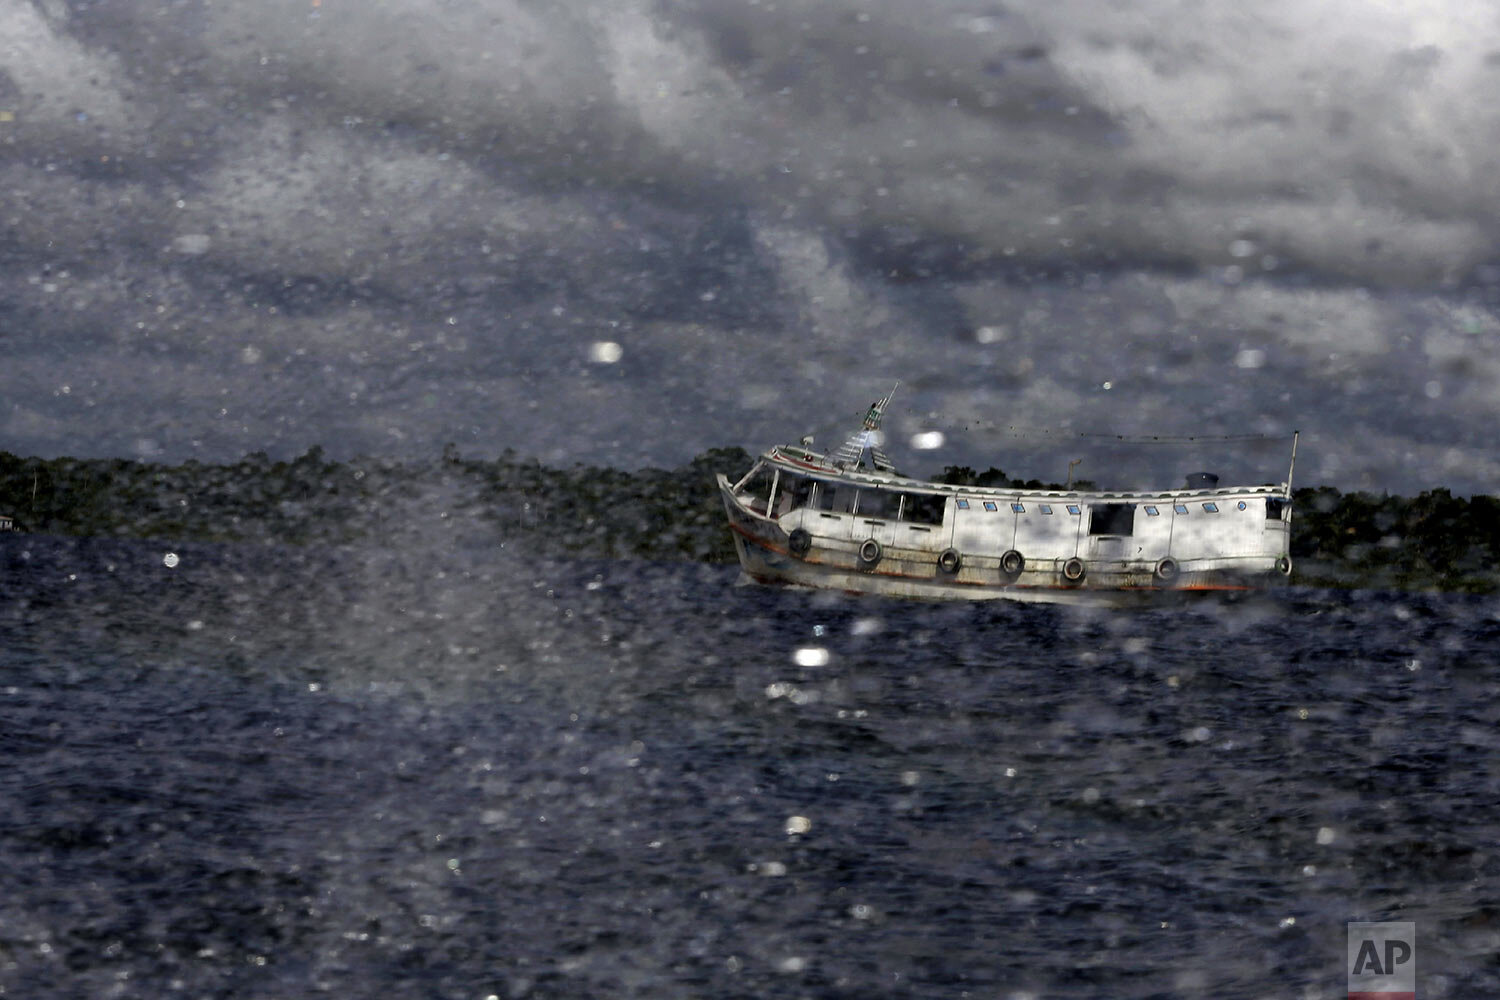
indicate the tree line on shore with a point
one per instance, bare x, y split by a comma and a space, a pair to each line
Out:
1434, 540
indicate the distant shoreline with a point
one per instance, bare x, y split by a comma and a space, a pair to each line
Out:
1432, 541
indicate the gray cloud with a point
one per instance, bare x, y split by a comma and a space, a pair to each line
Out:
232, 227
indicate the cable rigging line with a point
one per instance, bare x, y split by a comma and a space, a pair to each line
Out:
1014, 431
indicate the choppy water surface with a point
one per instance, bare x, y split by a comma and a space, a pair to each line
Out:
460, 772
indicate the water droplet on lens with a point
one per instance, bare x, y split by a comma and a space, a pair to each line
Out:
811, 656
605, 352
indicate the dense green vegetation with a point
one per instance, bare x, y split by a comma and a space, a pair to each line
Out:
1434, 540
650, 513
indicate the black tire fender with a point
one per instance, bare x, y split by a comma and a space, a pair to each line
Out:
869, 553
799, 541
1284, 565
1166, 570
1012, 563
1074, 570
950, 561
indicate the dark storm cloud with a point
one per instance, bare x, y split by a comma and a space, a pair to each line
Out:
626, 231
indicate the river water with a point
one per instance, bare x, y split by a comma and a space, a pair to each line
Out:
456, 770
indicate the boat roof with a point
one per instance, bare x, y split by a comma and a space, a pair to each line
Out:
806, 462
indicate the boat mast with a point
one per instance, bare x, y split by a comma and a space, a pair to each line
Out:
868, 437
1293, 466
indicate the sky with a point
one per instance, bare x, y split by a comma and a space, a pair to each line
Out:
624, 232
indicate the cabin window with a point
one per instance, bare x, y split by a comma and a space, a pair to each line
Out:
1019, 508
1112, 519
877, 503
837, 499
1073, 508
990, 505
797, 491
792, 492
924, 508
963, 505
1274, 507
1180, 508
758, 483
1151, 511
755, 488
1241, 505
1212, 508
1045, 508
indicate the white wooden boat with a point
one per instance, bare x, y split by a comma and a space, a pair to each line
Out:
836, 521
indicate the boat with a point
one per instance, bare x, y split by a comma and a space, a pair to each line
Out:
847, 520
7, 523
